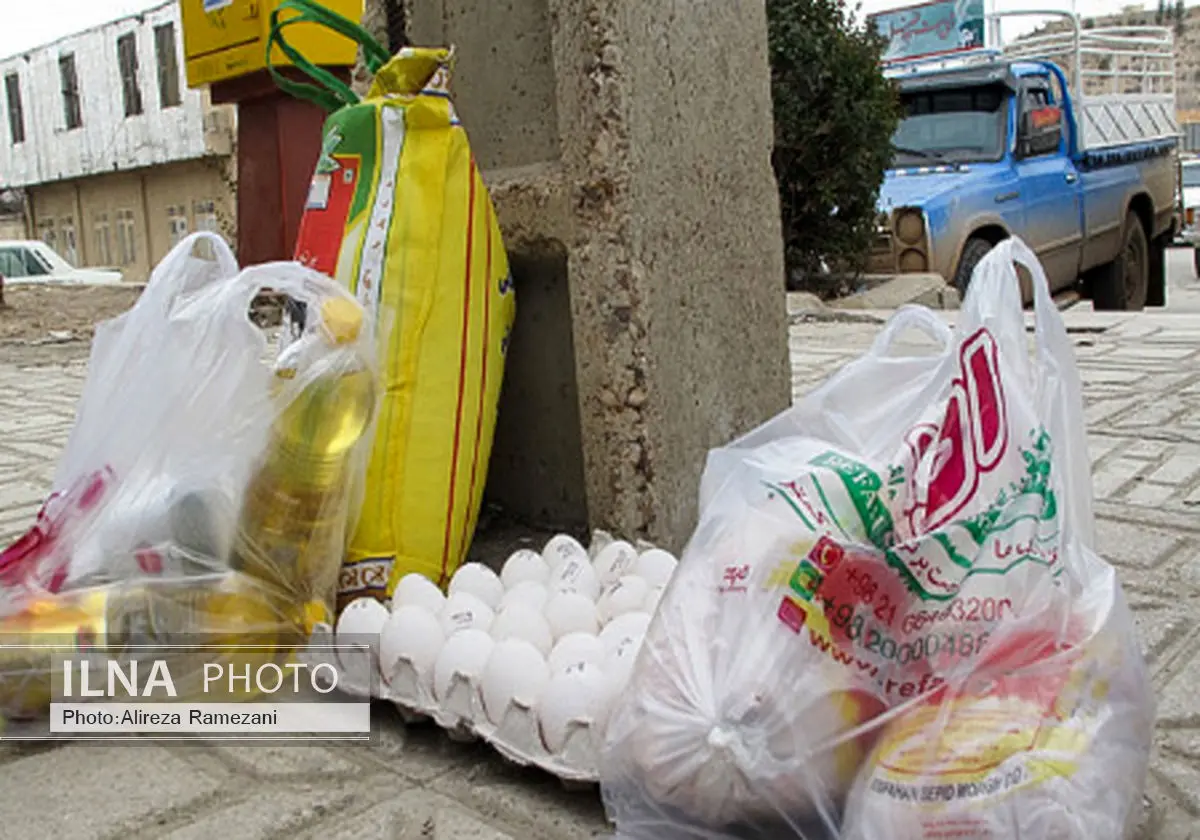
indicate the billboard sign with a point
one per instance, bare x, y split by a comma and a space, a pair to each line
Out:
938, 28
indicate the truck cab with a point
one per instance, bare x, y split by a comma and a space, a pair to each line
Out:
1005, 145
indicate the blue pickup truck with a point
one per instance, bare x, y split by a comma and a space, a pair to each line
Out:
1005, 144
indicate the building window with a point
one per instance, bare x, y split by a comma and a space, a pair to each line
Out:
103, 241
177, 220
46, 233
70, 244
127, 57
168, 65
126, 242
206, 216
16, 115
70, 91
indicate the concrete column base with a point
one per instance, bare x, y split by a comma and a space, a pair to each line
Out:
627, 148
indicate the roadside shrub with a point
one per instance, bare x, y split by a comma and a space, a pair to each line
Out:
834, 119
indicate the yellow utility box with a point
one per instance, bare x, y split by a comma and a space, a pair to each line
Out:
224, 39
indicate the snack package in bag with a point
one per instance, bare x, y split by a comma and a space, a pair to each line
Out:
399, 214
204, 496
891, 622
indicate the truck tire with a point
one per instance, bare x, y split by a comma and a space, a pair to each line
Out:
1196, 260
974, 251
1123, 284
1156, 289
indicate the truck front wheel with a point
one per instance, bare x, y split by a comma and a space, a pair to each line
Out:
974, 251
1123, 284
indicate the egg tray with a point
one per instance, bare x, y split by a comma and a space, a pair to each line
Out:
462, 715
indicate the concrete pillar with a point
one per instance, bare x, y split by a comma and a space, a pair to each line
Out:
627, 147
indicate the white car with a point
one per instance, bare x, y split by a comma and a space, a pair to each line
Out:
1190, 235
36, 262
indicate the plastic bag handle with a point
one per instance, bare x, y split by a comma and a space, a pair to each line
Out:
1059, 388
166, 281
911, 316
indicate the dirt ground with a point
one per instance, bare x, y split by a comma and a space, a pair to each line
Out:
54, 324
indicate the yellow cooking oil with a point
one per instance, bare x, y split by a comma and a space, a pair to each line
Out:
293, 529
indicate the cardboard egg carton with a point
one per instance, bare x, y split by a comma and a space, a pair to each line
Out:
462, 714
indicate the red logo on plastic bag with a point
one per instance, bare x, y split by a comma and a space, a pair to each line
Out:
30, 555
970, 442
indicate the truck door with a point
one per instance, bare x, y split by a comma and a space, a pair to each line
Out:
1048, 182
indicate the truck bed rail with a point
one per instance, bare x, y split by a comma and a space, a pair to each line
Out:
1122, 79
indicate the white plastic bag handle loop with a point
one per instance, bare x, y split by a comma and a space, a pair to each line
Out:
995, 286
911, 316
167, 280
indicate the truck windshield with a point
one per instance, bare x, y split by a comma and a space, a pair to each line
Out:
1191, 176
957, 125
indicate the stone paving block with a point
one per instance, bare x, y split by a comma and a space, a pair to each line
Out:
1149, 494
1160, 629
527, 798
1152, 414
1179, 470
1099, 446
420, 752
418, 815
1177, 704
1099, 411
89, 791
1136, 546
1114, 474
1148, 450
284, 761
20, 494
270, 812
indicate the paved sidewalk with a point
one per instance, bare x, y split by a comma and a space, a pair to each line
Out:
1142, 381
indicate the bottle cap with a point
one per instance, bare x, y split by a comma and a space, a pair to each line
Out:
341, 319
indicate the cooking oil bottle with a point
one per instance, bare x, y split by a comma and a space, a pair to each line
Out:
293, 529
226, 619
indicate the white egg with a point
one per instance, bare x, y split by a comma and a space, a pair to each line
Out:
362, 617
411, 633
464, 610
617, 675
465, 653
614, 560
528, 592
571, 612
575, 575
521, 621
417, 590
480, 581
653, 597
515, 672
626, 595
656, 566
524, 566
576, 649
624, 634
561, 548
577, 695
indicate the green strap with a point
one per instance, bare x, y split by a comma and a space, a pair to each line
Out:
330, 92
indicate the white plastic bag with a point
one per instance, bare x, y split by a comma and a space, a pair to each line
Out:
895, 563
187, 503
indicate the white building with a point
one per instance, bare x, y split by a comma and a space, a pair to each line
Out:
118, 157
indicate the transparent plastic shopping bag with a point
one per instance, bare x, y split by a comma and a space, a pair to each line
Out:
205, 493
891, 621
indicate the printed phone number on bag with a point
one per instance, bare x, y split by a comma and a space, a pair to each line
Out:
875, 640
864, 589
